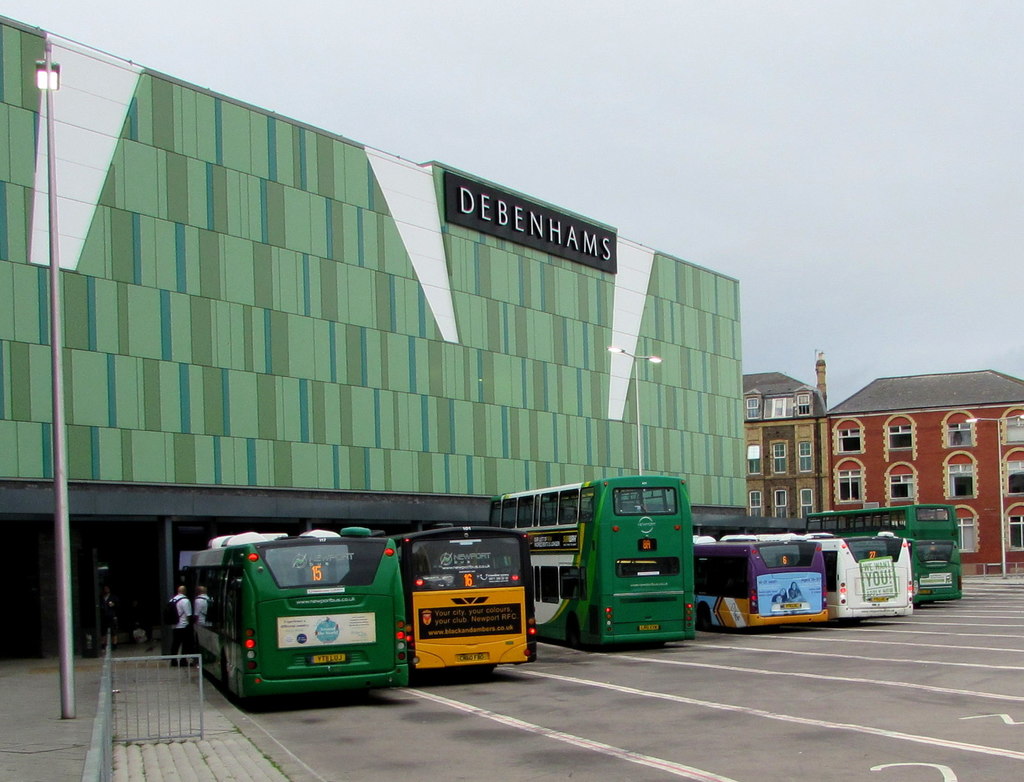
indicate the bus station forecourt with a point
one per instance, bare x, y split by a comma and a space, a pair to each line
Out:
932, 696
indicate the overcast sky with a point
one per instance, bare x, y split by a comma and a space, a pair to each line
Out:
857, 166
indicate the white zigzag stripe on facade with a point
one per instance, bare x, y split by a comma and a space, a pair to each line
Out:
89, 112
631, 283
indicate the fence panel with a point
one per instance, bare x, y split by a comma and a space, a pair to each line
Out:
157, 698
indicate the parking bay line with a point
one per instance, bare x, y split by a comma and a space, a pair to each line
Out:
863, 657
677, 769
807, 721
887, 683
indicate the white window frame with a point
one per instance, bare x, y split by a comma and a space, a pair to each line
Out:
967, 526
959, 430
1016, 532
957, 471
849, 434
779, 455
1014, 468
803, 404
805, 456
753, 408
780, 504
902, 479
755, 503
899, 430
806, 502
753, 459
853, 481
1015, 430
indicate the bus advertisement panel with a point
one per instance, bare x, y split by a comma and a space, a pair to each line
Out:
868, 577
313, 613
612, 559
751, 583
469, 596
936, 570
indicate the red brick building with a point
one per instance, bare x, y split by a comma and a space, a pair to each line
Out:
954, 438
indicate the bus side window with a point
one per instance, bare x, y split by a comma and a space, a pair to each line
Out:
508, 513
586, 505
524, 515
570, 582
569, 506
549, 584
549, 508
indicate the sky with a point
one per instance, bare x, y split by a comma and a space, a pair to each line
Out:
857, 166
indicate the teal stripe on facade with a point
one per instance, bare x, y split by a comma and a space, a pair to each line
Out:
225, 402
329, 222
479, 376
336, 459
367, 465
371, 181
392, 304
470, 476
186, 399
3, 363
218, 130
302, 159
268, 340
94, 451
554, 438
422, 314
46, 431
451, 430
4, 242
264, 218
304, 410
165, 325
447, 473
250, 460
588, 428
425, 422
2, 91
218, 470
209, 197
133, 119
111, 391
332, 337
136, 248
272, 148
579, 392
43, 294
364, 369
412, 364
180, 267
360, 250
504, 432
376, 418
90, 314
306, 293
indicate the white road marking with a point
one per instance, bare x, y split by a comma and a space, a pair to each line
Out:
946, 771
864, 657
677, 769
843, 726
1004, 717
886, 683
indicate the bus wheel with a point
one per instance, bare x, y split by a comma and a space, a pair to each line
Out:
703, 617
572, 632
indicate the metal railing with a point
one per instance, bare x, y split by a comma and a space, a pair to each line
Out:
158, 698
99, 762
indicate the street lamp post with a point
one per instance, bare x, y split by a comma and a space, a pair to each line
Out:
1001, 485
48, 80
639, 433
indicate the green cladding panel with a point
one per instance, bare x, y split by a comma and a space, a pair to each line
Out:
244, 312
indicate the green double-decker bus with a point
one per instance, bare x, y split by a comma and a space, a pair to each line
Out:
612, 559
318, 612
931, 530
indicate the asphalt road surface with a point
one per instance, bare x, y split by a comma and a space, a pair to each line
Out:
934, 697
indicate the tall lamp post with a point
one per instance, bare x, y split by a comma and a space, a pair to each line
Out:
639, 431
1000, 484
48, 80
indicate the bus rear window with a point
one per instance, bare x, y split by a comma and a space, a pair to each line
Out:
465, 563
650, 500
933, 550
648, 566
790, 554
351, 563
873, 548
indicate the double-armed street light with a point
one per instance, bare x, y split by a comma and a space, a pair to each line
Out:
639, 434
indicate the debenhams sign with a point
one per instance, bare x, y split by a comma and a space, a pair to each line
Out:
489, 210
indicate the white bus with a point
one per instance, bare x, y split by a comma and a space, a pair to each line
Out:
867, 577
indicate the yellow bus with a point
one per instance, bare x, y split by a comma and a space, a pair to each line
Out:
469, 598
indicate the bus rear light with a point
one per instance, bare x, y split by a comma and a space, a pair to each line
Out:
250, 643
251, 665
531, 631
400, 635
515, 577
249, 632
615, 528
389, 552
419, 582
753, 601
253, 557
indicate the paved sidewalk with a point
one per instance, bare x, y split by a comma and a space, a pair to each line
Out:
36, 745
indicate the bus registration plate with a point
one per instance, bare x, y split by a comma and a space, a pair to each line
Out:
878, 599
328, 658
473, 657
648, 627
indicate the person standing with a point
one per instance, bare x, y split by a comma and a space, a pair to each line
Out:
181, 630
109, 605
201, 606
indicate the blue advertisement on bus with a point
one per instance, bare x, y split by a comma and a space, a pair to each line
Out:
781, 594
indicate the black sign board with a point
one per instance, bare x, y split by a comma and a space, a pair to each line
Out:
492, 211
565, 540
456, 620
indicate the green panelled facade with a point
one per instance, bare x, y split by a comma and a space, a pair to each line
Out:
244, 314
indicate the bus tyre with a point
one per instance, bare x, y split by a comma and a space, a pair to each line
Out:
703, 617
572, 633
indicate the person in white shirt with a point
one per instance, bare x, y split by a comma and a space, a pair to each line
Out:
181, 632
